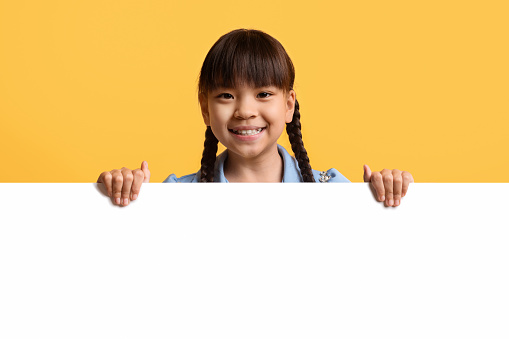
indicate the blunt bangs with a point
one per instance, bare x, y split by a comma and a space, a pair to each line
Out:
249, 57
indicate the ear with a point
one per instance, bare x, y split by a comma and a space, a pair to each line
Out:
290, 106
204, 108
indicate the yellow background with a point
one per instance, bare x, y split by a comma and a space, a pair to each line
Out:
89, 86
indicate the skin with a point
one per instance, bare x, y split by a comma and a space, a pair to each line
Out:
390, 185
124, 184
266, 107
250, 160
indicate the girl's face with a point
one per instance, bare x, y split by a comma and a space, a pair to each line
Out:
246, 120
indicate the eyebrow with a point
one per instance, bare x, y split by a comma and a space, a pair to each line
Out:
255, 88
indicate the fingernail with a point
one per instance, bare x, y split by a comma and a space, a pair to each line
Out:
391, 202
396, 202
117, 201
126, 201
135, 196
382, 198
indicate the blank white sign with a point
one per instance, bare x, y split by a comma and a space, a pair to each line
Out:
254, 261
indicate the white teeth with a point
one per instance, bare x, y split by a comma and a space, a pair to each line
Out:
248, 131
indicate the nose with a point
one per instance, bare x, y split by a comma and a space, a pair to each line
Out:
245, 109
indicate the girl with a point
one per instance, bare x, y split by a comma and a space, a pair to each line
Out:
246, 97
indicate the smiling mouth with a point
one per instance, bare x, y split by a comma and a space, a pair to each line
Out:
247, 131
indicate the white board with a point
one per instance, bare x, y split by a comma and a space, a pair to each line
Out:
254, 261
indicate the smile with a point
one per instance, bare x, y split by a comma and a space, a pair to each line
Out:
247, 131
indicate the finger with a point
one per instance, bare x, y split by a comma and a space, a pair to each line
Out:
139, 176
397, 182
367, 173
126, 187
117, 183
146, 172
389, 191
407, 179
105, 179
376, 181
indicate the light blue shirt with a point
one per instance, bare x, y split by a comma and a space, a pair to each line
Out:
290, 168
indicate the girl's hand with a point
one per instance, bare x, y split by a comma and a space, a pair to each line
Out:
123, 184
390, 186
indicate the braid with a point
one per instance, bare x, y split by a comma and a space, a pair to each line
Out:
295, 136
209, 156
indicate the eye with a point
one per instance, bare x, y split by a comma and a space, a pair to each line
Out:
264, 95
225, 96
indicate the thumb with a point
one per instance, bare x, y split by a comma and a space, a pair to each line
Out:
367, 173
146, 171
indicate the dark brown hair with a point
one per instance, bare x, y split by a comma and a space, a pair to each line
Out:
255, 58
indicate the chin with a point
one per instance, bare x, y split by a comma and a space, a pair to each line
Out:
250, 151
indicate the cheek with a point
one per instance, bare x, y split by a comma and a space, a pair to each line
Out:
218, 116
277, 116
218, 121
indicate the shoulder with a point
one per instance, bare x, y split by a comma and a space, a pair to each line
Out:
331, 175
195, 177
292, 170
172, 178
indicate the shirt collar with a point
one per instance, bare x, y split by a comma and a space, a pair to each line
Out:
291, 171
